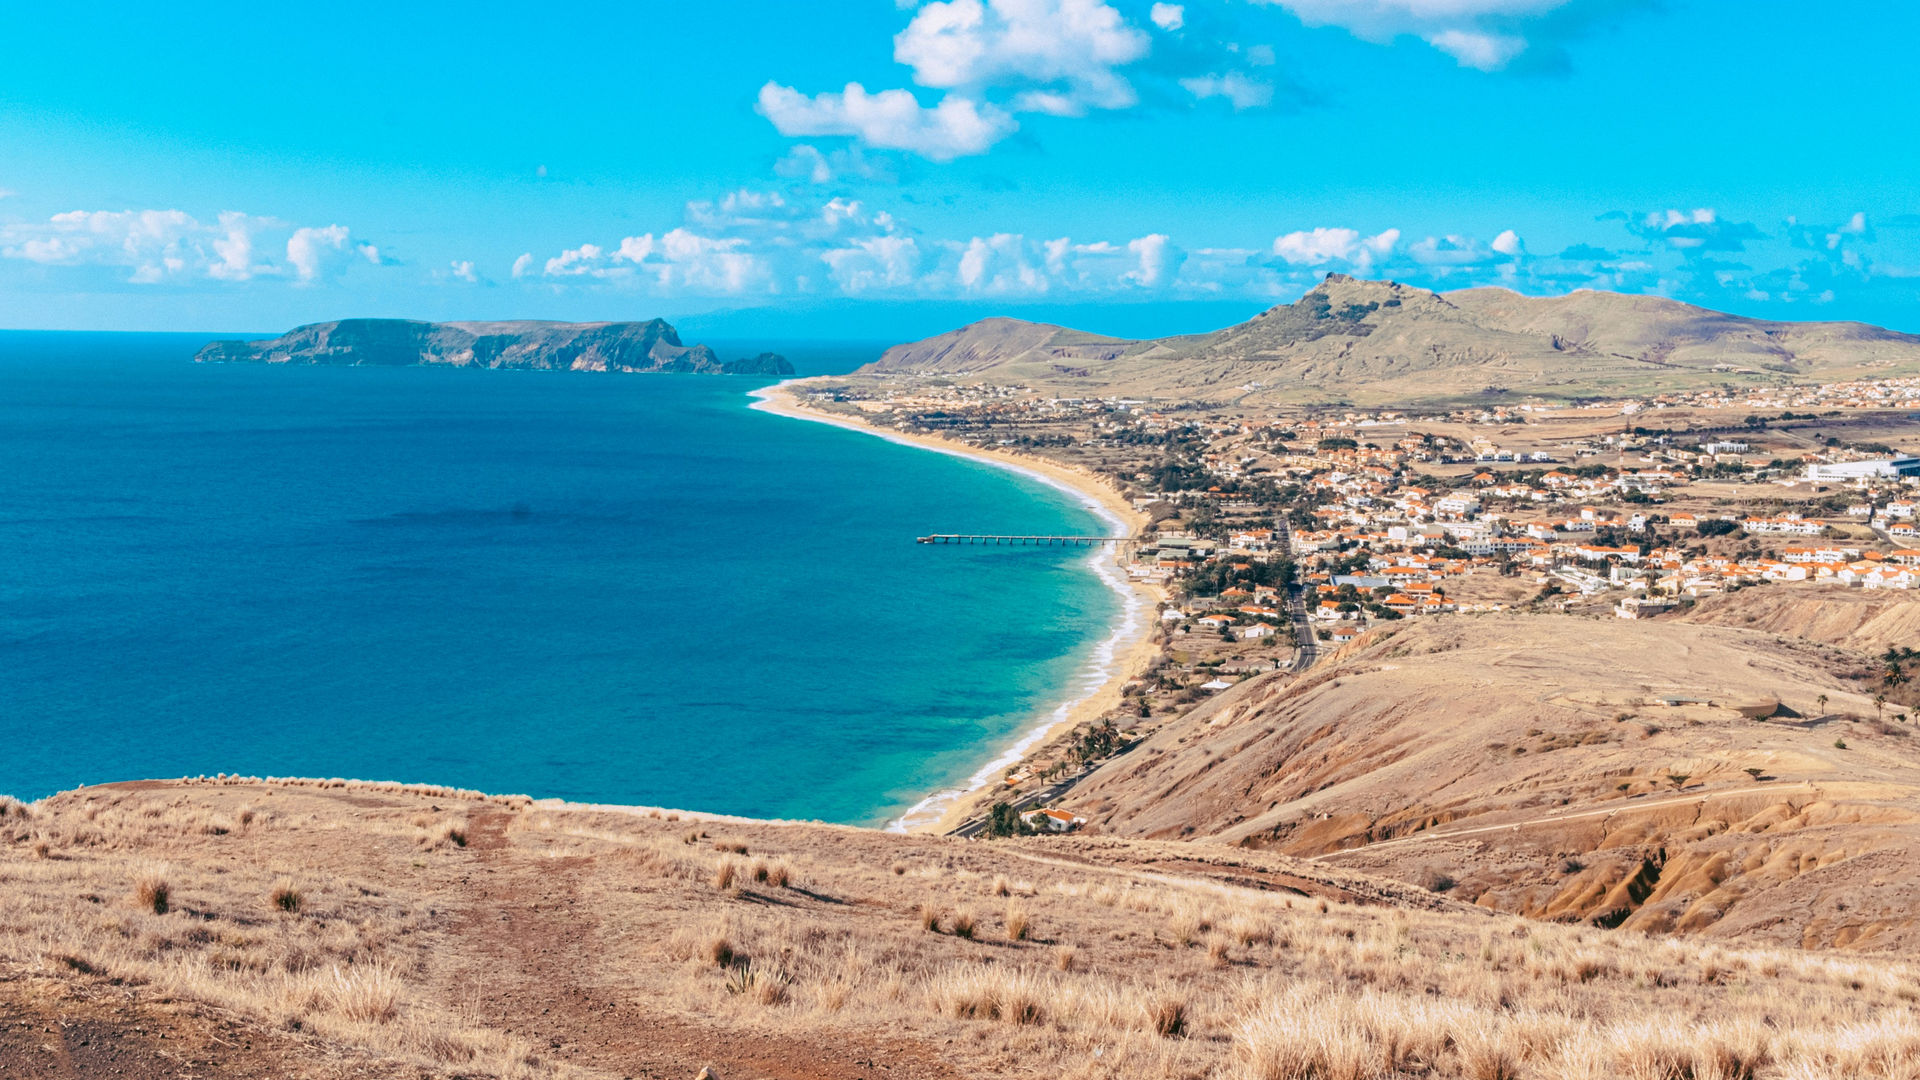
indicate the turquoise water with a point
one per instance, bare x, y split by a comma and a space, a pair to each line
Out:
627, 589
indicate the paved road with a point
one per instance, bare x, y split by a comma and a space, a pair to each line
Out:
1306, 646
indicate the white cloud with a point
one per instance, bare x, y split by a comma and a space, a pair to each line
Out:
1152, 252
523, 264
994, 59
1476, 33
680, 261
158, 246
967, 44
1451, 251
1240, 90
573, 262
1486, 52
463, 269
1509, 243
1321, 246
312, 251
892, 119
874, 262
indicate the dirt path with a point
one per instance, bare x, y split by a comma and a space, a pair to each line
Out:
528, 946
1552, 817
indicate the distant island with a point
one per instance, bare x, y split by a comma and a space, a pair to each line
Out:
652, 346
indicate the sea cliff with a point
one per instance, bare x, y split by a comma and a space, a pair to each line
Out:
652, 346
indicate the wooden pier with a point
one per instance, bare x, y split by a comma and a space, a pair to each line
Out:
1043, 541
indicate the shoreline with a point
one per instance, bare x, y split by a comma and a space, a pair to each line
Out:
1118, 658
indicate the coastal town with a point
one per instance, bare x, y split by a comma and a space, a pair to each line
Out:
1269, 539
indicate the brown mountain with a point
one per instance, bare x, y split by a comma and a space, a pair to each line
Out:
1381, 341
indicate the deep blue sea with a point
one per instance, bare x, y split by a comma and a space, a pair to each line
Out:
625, 589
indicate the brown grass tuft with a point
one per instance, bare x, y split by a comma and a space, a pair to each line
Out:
1169, 1016
717, 949
370, 995
151, 892
1019, 924
963, 924
930, 916
285, 896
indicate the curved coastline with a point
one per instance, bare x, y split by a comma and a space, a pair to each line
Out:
1116, 659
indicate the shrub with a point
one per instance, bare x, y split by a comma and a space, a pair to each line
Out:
151, 892
963, 925
285, 896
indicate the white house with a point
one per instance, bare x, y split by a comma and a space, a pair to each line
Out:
1052, 820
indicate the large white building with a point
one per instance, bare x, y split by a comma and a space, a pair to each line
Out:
1845, 471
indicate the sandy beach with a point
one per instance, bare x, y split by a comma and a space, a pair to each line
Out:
1118, 658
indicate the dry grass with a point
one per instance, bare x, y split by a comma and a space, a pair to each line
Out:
963, 924
151, 891
285, 896
1117, 986
1019, 923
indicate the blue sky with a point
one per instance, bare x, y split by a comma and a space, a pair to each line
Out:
884, 168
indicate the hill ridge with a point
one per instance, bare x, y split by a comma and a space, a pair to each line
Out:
1352, 338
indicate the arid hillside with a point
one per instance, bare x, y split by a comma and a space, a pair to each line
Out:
1866, 621
1383, 342
1569, 769
231, 929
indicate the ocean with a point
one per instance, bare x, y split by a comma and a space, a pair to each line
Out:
603, 588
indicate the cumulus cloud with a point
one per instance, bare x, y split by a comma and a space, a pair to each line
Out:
752, 244
1074, 45
523, 265
1483, 34
1322, 246
873, 263
995, 60
1699, 230
159, 246
463, 270
891, 119
312, 252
